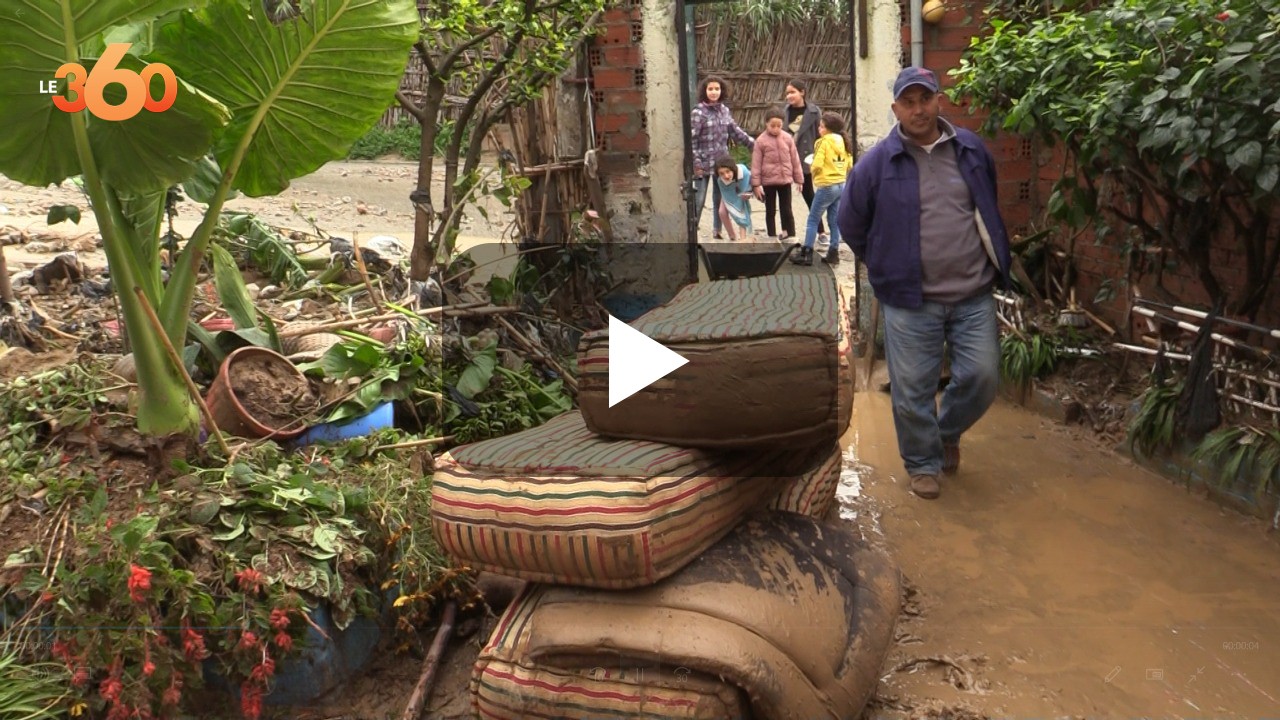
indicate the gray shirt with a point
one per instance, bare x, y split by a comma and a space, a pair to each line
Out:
954, 264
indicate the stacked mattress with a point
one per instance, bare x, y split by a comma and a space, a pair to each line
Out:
784, 618
644, 528
769, 362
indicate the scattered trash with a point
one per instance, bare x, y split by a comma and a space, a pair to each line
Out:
96, 289
65, 267
387, 246
428, 293
379, 418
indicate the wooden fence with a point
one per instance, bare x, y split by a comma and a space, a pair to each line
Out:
757, 65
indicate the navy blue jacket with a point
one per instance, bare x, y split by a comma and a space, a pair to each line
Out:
879, 214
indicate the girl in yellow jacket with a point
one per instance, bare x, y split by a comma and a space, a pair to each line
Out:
831, 163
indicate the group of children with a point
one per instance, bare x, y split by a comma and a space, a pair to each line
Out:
775, 167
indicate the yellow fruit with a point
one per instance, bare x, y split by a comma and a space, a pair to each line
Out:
933, 11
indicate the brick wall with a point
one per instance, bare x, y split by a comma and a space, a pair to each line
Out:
616, 62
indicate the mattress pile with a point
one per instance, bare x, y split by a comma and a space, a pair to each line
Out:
646, 529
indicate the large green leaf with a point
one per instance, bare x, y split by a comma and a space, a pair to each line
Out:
144, 153
301, 92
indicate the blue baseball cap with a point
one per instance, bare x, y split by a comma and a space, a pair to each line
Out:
914, 76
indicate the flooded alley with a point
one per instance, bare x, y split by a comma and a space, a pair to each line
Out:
1054, 578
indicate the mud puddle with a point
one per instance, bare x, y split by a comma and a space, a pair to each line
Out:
1053, 578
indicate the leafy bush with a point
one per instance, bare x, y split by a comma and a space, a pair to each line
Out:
404, 139
1152, 429
1167, 110
30, 692
1243, 449
144, 584
1023, 358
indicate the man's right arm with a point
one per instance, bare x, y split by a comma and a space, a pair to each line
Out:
857, 205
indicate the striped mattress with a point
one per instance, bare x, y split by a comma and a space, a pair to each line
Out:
765, 355
812, 492
559, 504
786, 618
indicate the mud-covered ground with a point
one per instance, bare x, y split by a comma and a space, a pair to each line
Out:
1053, 578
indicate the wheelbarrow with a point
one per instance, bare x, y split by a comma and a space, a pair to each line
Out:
730, 261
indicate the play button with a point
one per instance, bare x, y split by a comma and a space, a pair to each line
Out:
636, 361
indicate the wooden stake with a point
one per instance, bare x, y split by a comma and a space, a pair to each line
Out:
450, 310
429, 666
176, 359
414, 443
6, 289
364, 271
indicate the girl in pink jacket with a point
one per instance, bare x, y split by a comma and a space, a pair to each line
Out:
775, 166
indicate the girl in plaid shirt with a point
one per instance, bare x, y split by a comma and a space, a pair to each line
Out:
713, 126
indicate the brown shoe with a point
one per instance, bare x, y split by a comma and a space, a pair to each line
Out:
950, 458
926, 486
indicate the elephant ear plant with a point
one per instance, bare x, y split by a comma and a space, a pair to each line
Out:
271, 98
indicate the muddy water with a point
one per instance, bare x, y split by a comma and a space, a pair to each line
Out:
1065, 581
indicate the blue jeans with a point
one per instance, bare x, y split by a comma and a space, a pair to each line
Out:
825, 199
701, 185
914, 342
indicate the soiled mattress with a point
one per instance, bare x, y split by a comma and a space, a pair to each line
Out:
813, 492
558, 503
784, 619
768, 364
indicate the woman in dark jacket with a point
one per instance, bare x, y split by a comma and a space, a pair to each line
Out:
801, 121
713, 127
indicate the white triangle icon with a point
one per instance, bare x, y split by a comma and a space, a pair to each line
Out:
636, 360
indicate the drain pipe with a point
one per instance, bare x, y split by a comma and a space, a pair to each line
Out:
917, 32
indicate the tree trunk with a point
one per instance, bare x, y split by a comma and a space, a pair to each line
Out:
423, 255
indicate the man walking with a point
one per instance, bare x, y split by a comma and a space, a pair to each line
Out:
920, 210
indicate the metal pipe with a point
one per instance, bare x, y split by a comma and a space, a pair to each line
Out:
1218, 337
917, 32
1202, 315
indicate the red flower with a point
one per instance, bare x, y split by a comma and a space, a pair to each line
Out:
148, 668
251, 701
1224, 16
110, 688
193, 645
250, 580
283, 641
80, 678
263, 671
279, 619
61, 650
47, 597
139, 583
248, 640
171, 696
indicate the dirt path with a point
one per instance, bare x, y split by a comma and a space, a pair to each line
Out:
342, 198
1065, 581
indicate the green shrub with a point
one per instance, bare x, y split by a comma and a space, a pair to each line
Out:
1152, 428
403, 139
1251, 451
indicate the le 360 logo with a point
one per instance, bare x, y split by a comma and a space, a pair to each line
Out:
88, 88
